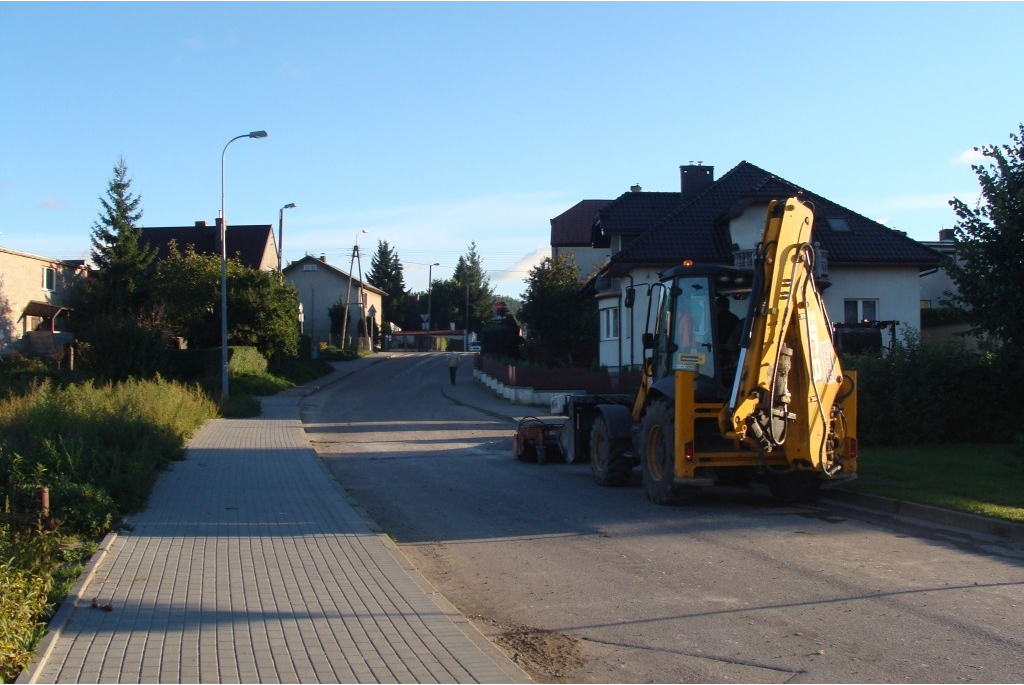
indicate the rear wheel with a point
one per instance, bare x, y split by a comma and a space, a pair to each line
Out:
657, 459
608, 460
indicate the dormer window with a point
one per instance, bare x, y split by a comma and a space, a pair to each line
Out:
838, 224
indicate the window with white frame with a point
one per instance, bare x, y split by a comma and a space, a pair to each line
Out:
609, 324
49, 278
859, 311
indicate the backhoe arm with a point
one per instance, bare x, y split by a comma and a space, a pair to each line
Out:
789, 377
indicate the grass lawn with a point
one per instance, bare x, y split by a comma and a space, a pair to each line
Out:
979, 479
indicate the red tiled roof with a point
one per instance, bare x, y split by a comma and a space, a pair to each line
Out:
572, 227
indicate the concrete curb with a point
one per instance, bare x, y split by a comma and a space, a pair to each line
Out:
947, 517
497, 415
501, 660
468, 628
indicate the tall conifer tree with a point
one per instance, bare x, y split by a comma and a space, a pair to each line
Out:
122, 262
386, 273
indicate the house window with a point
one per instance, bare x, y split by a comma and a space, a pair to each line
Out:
49, 278
838, 224
309, 267
859, 311
609, 324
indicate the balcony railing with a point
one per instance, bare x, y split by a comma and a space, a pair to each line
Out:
745, 259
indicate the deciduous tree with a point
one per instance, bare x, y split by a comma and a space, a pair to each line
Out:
561, 322
262, 311
989, 266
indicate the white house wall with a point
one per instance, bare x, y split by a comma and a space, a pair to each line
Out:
897, 290
588, 259
627, 349
747, 229
934, 286
320, 290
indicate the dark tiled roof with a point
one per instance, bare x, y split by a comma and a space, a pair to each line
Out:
699, 229
632, 214
250, 242
573, 226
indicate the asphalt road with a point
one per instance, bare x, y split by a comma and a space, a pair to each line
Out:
592, 584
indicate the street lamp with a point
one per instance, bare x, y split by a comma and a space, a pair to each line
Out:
348, 293
224, 268
280, 236
430, 295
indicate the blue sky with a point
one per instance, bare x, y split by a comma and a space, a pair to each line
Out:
436, 125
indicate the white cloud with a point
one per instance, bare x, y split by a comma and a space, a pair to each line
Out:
52, 203
516, 273
970, 156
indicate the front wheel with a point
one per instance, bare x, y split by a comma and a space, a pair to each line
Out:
657, 452
608, 460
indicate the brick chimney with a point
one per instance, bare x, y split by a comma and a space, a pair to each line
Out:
694, 179
946, 235
323, 258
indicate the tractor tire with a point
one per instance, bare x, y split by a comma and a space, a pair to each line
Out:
608, 461
657, 444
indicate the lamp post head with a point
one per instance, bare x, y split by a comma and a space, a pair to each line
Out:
290, 205
257, 134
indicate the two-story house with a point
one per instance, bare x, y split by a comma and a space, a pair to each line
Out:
35, 294
869, 273
322, 286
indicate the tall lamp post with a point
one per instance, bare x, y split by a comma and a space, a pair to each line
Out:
280, 237
430, 295
348, 292
224, 267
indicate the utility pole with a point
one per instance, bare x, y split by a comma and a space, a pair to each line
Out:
348, 292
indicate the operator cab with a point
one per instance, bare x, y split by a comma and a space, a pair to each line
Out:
699, 326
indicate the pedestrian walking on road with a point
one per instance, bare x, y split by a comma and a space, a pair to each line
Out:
453, 365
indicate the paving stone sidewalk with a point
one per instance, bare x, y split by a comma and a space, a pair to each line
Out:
250, 565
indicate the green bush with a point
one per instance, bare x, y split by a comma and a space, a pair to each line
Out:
336, 354
19, 373
85, 508
116, 347
22, 604
933, 393
245, 360
112, 438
